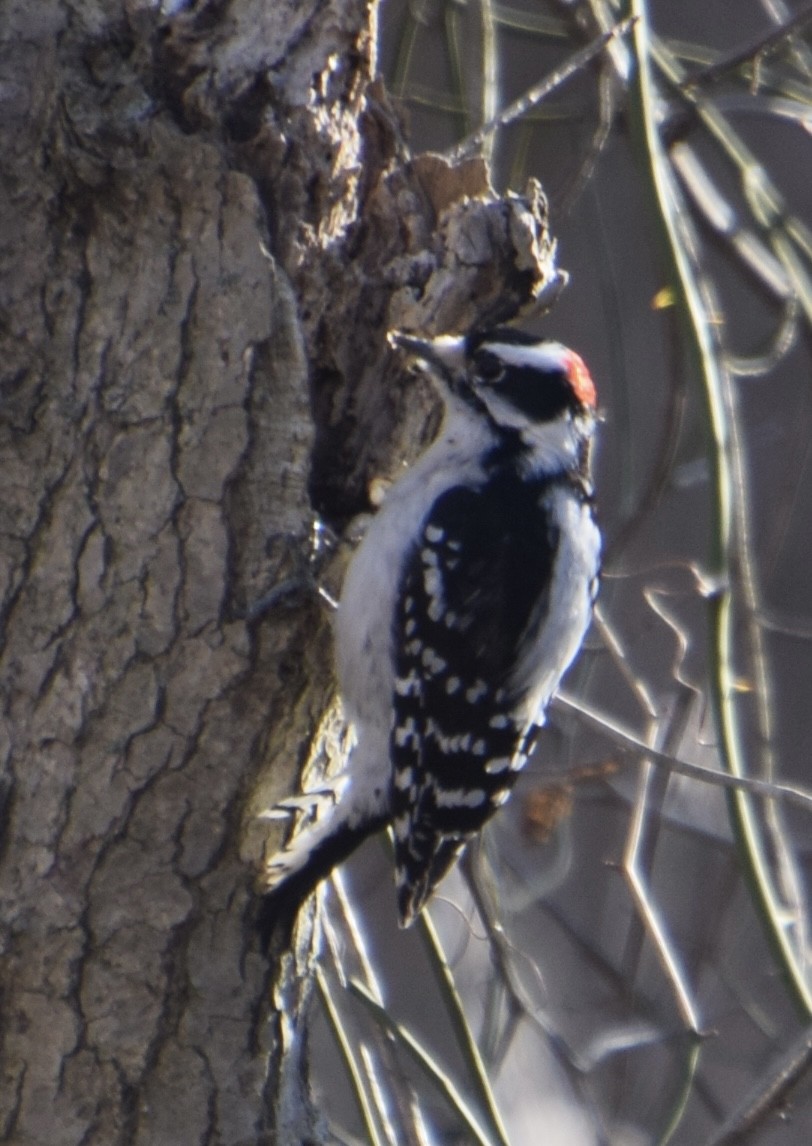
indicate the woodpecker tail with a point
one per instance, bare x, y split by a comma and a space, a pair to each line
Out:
418, 871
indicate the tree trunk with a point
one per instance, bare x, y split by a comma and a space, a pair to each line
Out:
209, 224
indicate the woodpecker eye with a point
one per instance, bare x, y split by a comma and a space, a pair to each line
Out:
489, 367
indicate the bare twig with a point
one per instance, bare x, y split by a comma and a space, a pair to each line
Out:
769, 1092
767, 789
540, 91
439, 1077
750, 52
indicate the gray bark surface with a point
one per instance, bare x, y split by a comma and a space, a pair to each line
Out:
208, 225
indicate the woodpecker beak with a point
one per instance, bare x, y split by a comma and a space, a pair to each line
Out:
445, 353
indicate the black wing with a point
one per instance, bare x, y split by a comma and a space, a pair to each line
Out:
476, 581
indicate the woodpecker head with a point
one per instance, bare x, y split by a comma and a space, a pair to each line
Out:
524, 385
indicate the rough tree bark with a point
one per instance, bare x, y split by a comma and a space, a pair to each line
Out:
208, 225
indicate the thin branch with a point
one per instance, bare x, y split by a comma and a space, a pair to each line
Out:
767, 789
638, 858
540, 91
505, 956
730, 559
751, 51
769, 1092
347, 1049
427, 1062
464, 1035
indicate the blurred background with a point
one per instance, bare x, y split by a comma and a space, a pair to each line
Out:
625, 957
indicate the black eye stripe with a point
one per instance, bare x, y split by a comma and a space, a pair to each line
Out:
539, 395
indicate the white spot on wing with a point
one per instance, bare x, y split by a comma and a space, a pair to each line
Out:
476, 692
408, 685
449, 744
407, 734
433, 583
403, 778
433, 663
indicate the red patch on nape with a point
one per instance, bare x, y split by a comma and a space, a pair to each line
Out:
581, 380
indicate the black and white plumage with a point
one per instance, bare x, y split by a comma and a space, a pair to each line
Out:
463, 607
